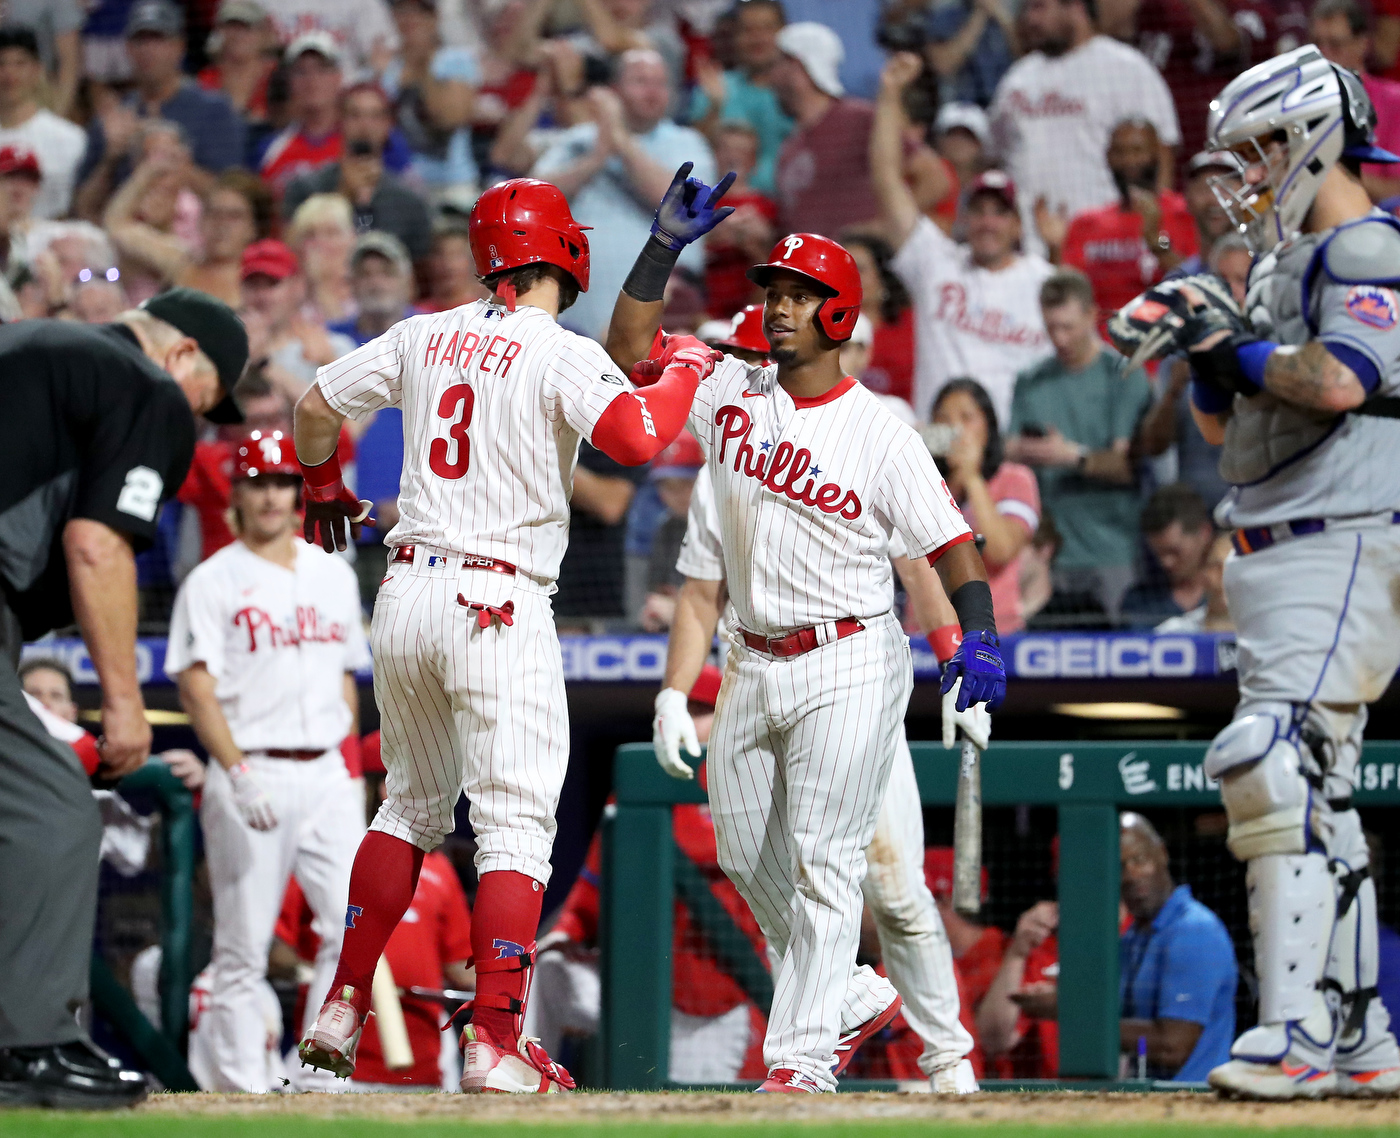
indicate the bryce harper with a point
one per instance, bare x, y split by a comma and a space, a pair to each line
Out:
264, 640
1302, 392
811, 475
468, 674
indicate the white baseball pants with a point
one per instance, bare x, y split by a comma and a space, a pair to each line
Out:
320, 820
469, 708
799, 759
913, 942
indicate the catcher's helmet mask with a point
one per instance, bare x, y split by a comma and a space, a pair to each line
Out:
1295, 116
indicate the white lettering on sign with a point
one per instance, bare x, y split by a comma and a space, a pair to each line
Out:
1185, 776
1136, 774
1104, 657
1066, 771
1376, 776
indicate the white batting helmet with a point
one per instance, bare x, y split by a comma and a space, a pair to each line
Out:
1289, 120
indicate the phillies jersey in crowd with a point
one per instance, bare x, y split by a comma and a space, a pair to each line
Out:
495, 403
1107, 243
808, 492
1052, 116
293, 153
278, 643
970, 320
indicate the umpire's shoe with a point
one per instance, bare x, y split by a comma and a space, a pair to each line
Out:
67, 1076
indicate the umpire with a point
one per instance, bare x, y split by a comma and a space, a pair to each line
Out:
97, 431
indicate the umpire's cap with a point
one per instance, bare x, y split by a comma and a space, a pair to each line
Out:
218, 331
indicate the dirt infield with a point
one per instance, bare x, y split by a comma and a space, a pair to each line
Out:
1054, 1109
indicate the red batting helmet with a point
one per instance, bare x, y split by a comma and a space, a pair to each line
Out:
746, 332
833, 269
265, 452
525, 222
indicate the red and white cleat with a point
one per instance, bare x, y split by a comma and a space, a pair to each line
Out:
489, 1068
847, 1044
785, 1081
331, 1042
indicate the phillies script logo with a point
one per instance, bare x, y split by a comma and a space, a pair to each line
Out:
1049, 105
990, 324
784, 469
311, 627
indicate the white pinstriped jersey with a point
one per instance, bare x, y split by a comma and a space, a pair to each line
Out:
494, 404
809, 491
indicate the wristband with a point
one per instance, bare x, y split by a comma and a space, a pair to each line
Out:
1254, 358
324, 480
973, 604
1208, 398
944, 641
652, 269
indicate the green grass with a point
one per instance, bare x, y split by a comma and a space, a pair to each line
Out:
33, 1124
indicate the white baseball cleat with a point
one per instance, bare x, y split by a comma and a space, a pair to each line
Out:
1275, 1082
1384, 1083
954, 1079
331, 1042
489, 1068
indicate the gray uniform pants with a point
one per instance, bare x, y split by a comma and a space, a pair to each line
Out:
50, 839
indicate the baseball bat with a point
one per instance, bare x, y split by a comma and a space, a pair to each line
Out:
967, 832
388, 1018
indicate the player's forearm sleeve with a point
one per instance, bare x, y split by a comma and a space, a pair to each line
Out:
637, 427
972, 601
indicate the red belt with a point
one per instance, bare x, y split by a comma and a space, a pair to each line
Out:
301, 756
803, 640
405, 553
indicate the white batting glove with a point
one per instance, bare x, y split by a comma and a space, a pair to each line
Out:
671, 728
976, 721
251, 799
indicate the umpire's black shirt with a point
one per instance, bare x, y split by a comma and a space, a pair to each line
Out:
91, 428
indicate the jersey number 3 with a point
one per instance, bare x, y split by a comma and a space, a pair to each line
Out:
458, 395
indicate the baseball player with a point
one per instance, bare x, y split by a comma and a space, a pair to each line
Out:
1302, 393
913, 943
468, 672
264, 640
811, 475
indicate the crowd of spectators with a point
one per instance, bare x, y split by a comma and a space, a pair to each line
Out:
1005, 174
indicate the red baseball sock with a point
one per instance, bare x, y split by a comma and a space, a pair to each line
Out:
382, 883
504, 922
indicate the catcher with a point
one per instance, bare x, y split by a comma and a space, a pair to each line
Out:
1302, 392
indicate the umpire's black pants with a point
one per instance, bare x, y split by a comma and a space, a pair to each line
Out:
50, 840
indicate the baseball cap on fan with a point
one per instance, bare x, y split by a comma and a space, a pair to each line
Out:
269, 258
997, 183
967, 116
248, 12
158, 17
682, 459
938, 872
1217, 161
318, 42
819, 50
19, 160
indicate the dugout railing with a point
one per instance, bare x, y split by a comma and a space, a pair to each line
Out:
1087, 783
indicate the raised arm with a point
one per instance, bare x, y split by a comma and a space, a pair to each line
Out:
688, 210
329, 505
897, 204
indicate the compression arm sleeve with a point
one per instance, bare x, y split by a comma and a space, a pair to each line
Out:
638, 426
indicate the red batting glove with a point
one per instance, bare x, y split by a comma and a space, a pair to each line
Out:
944, 642
687, 351
330, 507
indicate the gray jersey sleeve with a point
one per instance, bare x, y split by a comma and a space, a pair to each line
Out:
1362, 318
1356, 304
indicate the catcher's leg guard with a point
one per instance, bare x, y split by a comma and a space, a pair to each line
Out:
1279, 824
1368, 1060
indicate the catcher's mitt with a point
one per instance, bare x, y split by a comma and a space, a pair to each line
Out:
1173, 317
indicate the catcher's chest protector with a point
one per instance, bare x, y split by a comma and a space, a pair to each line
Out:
1263, 434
